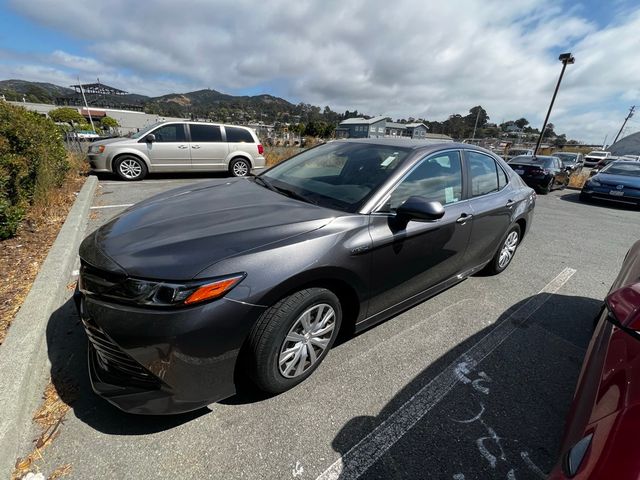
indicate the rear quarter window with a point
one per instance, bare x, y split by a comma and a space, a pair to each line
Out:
238, 135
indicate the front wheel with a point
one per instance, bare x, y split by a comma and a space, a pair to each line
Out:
239, 167
130, 168
291, 338
506, 252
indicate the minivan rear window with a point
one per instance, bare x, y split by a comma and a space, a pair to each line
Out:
235, 135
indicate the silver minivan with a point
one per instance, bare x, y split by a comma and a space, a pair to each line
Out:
179, 147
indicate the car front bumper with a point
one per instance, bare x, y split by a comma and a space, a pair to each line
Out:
98, 162
164, 361
628, 197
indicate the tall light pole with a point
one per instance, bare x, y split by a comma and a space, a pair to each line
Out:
631, 110
566, 59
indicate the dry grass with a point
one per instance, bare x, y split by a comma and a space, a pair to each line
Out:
22, 255
274, 155
577, 181
49, 417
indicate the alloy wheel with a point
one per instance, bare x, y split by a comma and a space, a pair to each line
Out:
130, 168
508, 249
240, 169
307, 340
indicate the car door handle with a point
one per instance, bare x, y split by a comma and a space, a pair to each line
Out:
464, 218
510, 203
182, 146
195, 146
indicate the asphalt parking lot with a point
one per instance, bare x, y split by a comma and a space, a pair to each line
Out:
474, 383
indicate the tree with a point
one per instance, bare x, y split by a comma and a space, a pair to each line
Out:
479, 113
521, 123
109, 122
66, 115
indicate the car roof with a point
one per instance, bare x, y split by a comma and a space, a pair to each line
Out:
414, 144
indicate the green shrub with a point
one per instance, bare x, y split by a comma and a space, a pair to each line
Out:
32, 162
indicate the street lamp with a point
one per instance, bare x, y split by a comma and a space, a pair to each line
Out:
566, 59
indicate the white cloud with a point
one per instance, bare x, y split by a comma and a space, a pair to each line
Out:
404, 58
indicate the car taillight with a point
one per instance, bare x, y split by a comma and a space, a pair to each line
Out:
260, 149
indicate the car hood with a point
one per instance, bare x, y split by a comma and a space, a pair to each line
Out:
626, 180
177, 234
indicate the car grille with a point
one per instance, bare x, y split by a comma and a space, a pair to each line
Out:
115, 361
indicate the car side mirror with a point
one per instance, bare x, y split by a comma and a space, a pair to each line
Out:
419, 209
623, 303
150, 138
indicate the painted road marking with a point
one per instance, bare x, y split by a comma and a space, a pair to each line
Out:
100, 207
367, 451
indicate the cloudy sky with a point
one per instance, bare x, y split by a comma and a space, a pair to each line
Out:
397, 58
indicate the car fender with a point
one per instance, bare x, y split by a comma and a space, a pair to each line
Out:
128, 151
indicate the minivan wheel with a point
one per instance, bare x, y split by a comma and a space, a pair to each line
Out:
239, 167
130, 168
291, 338
506, 252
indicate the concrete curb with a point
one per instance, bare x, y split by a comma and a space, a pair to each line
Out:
23, 355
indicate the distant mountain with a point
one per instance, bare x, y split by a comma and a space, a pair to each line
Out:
199, 104
33, 91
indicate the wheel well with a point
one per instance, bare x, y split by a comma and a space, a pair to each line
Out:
522, 223
348, 297
242, 157
115, 159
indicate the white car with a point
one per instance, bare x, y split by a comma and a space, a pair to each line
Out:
179, 147
594, 157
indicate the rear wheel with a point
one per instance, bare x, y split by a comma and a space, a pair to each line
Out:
130, 168
292, 337
239, 167
549, 187
506, 252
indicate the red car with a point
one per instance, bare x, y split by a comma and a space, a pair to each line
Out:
603, 426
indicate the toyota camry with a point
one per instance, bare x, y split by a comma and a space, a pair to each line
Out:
189, 292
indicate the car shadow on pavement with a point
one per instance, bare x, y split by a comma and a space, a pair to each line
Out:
499, 417
67, 350
575, 198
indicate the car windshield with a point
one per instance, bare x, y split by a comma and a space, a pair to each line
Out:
144, 131
341, 175
566, 158
629, 169
546, 162
598, 154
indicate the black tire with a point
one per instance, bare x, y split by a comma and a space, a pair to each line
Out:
240, 167
130, 168
494, 267
267, 339
549, 187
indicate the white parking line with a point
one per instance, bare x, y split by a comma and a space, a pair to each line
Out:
367, 451
100, 207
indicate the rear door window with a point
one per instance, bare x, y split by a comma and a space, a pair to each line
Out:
484, 173
238, 135
205, 133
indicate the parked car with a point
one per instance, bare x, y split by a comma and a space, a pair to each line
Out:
594, 157
179, 147
543, 173
516, 152
617, 182
572, 160
600, 437
252, 278
601, 164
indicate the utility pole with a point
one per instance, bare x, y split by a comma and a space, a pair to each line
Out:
476, 124
624, 123
86, 105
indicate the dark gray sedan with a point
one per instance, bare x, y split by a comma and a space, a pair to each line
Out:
188, 293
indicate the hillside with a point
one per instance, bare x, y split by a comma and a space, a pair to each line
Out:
201, 103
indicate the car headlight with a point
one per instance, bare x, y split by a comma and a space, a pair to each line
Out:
96, 149
157, 293
594, 183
